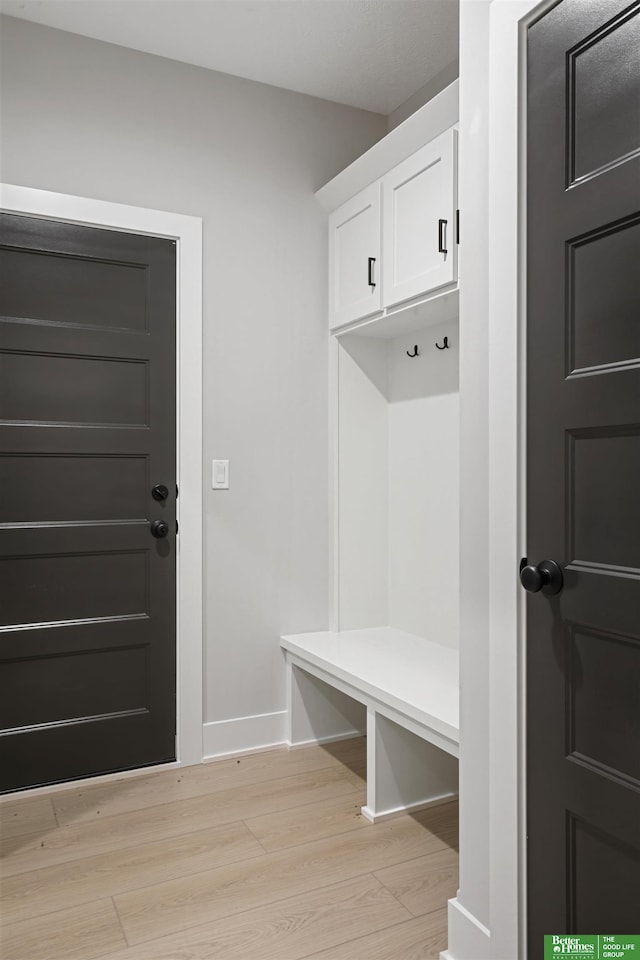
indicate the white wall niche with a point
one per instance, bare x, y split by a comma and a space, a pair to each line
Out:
397, 452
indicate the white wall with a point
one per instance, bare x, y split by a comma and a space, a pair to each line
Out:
363, 483
93, 119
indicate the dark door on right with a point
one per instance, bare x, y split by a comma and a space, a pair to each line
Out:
583, 469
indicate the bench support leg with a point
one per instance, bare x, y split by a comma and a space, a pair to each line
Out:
404, 772
318, 713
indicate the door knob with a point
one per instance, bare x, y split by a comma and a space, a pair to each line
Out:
546, 576
159, 529
160, 492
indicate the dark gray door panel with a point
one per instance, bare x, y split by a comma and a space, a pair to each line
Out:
583, 469
87, 427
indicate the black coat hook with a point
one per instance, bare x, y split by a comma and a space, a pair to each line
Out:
415, 352
446, 344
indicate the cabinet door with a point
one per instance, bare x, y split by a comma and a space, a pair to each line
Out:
419, 250
354, 258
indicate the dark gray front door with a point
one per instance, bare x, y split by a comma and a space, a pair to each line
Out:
87, 429
583, 474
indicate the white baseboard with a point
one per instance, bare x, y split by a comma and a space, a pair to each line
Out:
243, 734
334, 738
469, 939
372, 817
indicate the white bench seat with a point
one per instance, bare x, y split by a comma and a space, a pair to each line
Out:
409, 688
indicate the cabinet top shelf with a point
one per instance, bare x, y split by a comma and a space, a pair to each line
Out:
436, 116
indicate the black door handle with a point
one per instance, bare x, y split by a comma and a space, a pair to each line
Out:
370, 280
160, 492
442, 228
546, 576
159, 529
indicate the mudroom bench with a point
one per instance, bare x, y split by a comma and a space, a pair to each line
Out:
399, 689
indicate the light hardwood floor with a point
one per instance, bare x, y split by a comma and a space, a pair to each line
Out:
265, 857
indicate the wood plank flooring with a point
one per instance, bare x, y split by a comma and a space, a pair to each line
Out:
265, 857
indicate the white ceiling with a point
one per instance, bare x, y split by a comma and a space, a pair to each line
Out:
372, 54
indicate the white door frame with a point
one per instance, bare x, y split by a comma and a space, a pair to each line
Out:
507, 459
187, 232
487, 920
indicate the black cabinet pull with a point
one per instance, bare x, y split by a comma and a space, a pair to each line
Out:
442, 227
370, 279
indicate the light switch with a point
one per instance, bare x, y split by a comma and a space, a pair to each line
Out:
220, 475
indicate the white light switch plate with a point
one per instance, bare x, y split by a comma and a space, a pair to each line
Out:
219, 474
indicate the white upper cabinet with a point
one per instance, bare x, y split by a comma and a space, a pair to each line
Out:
392, 227
419, 252
354, 258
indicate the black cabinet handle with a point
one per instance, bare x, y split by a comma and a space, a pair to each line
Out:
442, 233
370, 280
